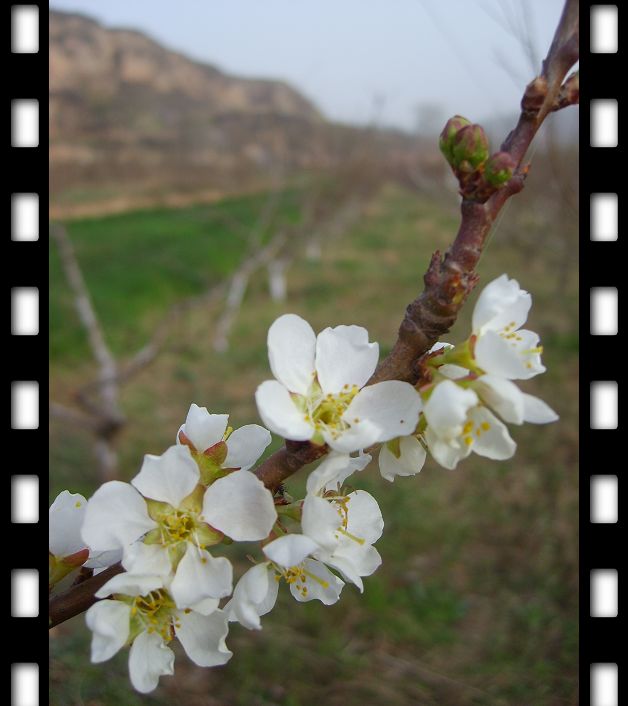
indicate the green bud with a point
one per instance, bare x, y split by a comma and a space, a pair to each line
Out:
470, 146
499, 168
448, 135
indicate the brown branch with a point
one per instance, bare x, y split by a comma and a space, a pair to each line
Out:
448, 282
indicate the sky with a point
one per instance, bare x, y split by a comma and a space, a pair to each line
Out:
359, 61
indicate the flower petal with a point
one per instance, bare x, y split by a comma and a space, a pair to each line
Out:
291, 349
447, 408
255, 595
383, 411
446, 453
334, 470
246, 445
65, 518
130, 585
502, 396
203, 637
109, 621
509, 358
536, 411
319, 583
501, 303
494, 441
320, 520
199, 575
410, 462
116, 516
168, 478
364, 518
149, 658
344, 356
290, 550
101, 560
202, 428
150, 559
354, 561
280, 414
240, 506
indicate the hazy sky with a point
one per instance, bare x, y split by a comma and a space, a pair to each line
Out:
357, 59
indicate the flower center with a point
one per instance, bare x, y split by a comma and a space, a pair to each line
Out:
154, 612
177, 526
325, 412
472, 430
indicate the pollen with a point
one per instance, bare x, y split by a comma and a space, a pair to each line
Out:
78, 503
485, 426
468, 440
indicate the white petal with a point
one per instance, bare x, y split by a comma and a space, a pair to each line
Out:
199, 576
501, 303
280, 414
320, 584
203, 637
149, 659
509, 358
536, 411
384, 410
453, 372
494, 442
354, 561
152, 559
291, 349
65, 518
206, 606
440, 345
101, 560
446, 410
116, 516
246, 445
109, 621
202, 428
502, 396
168, 478
344, 356
410, 462
320, 520
364, 518
255, 595
334, 470
240, 506
290, 550
446, 453
130, 585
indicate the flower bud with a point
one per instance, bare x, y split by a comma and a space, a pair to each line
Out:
499, 168
471, 146
448, 135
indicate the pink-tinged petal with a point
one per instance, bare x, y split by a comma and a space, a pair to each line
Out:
65, 519
364, 518
199, 575
202, 428
536, 411
320, 521
291, 350
409, 463
344, 357
246, 445
255, 595
280, 414
130, 585
319, 584
290, 550
334, 470
116, 516
501, 303
493, 440
149, 659
168, 478
240, 506
447, 408
203, 637
389, 409
109, 621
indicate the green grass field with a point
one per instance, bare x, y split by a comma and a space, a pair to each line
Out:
476, 603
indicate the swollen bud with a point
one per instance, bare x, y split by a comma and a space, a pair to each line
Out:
499, 168
470, 148
448, 135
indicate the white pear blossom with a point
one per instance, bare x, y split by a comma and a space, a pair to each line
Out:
404, 456
458, 423
338, 531
501, 347
319, 391
210, 434
334, 470
510, 403
165, 520
255, 595
139, 610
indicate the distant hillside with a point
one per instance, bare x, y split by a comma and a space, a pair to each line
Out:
128, 115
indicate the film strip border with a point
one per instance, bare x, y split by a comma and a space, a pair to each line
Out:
603, 262
26, 365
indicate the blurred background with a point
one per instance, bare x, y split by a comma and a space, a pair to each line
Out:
214, 165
